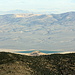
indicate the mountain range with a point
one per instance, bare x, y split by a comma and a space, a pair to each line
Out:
38, 31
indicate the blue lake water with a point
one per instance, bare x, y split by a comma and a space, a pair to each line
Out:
40, 51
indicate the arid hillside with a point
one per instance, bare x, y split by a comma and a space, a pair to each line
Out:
55, 64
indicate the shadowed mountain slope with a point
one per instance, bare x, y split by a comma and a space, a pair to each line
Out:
55, 64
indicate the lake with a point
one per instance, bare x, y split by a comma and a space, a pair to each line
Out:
40, 51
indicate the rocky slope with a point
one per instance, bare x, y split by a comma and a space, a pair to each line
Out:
55, 64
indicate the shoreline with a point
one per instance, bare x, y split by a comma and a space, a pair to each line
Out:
41, 53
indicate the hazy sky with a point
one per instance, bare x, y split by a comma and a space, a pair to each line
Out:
58, 6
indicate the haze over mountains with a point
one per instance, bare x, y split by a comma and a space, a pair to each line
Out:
38, 31
25, 11
14, 12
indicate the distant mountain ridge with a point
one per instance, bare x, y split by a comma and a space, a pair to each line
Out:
65, 18
38, 31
